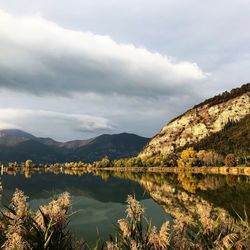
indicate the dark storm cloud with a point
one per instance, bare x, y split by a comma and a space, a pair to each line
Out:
41, 57
112, 77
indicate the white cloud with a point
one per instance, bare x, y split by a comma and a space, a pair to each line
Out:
41, 57
52, 123
6, 125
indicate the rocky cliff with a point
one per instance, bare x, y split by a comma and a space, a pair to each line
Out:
200, 122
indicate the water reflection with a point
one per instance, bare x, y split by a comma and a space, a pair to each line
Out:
188, 195
99, 196
98, 200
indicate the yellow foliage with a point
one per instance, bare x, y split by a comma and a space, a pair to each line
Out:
188, 158
28, 163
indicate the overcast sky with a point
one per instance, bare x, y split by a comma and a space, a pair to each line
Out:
72, 69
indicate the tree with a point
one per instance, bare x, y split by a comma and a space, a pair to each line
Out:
118, 163
170, 160
230, 160
210, 158
105, 162
188, 158
28, 163
139, 162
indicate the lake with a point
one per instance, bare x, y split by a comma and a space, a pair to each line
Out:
99, 199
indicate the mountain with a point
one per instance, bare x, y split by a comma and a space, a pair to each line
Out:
17, 145
205, 122
15, 133
115, 146
12, 137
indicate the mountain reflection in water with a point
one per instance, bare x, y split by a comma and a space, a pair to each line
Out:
99, 197
97, 203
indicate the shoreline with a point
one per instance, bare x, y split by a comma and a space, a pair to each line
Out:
192, 170
239, 171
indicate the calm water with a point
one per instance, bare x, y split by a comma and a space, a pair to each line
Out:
99, 200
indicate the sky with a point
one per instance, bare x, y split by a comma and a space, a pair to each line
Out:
75, 69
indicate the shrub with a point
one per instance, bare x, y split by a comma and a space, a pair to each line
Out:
230, 160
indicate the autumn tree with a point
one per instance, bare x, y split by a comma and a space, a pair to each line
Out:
28, 163
188, 158
139, 162
118, 163
105, 162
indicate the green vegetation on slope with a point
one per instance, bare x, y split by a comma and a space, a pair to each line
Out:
234, 138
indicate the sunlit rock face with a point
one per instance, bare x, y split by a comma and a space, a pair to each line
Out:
199, 123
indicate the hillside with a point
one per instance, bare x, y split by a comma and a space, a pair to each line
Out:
115, 146
233, 138
17, 145
204, 121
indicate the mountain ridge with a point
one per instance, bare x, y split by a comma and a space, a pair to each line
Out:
18, 145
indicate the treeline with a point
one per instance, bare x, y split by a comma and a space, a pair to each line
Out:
226, 96
187, 158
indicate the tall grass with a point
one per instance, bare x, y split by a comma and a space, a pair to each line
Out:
206, 233
23, 229
46, 229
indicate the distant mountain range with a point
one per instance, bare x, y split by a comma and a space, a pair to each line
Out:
221, 123
17, 145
